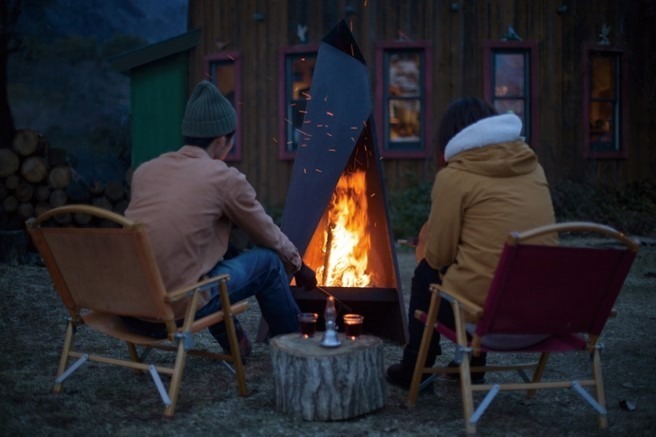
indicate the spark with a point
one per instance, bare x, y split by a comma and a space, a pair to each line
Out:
305, 171
232, 58
372, 194
332, 150
302, 112
329, 134
275, 140
330, 113
307, 96
317, 170
354, 127
288, 121
353, 139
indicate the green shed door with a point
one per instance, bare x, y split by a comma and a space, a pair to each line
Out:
159, 96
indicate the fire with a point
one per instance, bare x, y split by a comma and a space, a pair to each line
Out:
346, 241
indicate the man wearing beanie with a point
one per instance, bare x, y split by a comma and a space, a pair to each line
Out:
189, 200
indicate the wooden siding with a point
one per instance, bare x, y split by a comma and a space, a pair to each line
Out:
161, 84
458, 30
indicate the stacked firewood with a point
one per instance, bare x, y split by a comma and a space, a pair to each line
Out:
35, 177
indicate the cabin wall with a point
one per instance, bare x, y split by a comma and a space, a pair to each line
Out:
258, 29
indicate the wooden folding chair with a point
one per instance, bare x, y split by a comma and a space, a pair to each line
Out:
564, 294
104, 273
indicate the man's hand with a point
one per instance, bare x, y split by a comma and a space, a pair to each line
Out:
306, 278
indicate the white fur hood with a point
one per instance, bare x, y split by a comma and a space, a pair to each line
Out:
491, 130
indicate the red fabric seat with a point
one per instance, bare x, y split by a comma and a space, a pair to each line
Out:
564, 292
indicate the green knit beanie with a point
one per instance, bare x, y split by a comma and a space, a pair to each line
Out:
208, 113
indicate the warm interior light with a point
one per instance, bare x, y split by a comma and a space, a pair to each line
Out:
339, 249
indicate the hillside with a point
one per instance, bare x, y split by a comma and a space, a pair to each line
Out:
60, 81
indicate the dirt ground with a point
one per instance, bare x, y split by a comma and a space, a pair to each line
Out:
101, 400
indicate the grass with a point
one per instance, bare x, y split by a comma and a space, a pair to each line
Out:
101, 400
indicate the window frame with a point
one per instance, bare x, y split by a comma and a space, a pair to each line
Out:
425, 96
235, 58
621, 99
283, 86
532, 94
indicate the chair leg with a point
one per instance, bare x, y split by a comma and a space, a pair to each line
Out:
63, 361
599, 387
232, 338
539, 371
429, 327
467, 394
465, 375
176, 378
134, 356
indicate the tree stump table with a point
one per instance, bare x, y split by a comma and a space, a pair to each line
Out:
318, 383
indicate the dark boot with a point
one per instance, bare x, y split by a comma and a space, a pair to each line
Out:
219, 333
476, 377
401, 373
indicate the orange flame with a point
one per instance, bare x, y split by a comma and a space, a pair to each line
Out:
346, 240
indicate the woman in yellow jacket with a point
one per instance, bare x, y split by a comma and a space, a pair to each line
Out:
492, 184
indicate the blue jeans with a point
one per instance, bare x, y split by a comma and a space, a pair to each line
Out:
257, 272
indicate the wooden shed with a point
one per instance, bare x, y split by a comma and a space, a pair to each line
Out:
579, 73
158, 93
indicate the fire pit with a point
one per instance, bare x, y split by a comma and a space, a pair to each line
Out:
336, 210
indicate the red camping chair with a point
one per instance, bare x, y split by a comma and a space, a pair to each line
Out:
564, 294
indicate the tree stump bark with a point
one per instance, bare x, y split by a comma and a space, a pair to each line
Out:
317, 383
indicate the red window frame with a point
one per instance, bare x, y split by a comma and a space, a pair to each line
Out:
211, 61
620, 126
531, 108
382, 98
284, 97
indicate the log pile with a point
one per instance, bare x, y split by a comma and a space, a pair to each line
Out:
35, 178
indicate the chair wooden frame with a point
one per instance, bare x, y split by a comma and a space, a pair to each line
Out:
582, 337
104, 273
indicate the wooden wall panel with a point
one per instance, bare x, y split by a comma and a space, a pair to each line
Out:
457, 30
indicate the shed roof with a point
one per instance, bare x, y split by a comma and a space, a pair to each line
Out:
154, 52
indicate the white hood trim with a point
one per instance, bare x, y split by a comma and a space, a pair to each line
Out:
491, 130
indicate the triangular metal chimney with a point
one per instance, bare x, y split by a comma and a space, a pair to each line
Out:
339, 137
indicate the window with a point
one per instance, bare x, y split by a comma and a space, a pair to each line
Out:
510, 82
605, 115
224, 70
403, 98
296, 69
